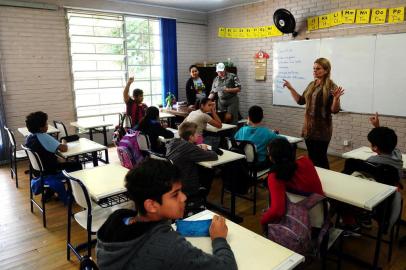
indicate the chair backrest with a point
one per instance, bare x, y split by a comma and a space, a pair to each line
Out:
79, 191
11, 137
62, 129
35, 160
143, 142
250, 150
382, 173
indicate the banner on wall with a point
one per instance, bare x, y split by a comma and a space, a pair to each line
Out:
249, 32
356, 16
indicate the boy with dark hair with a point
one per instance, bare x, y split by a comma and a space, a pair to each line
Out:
383, 142
184, 153
46, 146
146, 240
135, 109
259, 135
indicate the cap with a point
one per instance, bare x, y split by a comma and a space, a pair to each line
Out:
220, 67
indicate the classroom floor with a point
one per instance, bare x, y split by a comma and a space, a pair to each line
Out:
25, 244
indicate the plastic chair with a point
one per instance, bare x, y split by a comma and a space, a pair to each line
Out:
36, 165
91, 218
251, 156
63, 132
14, 154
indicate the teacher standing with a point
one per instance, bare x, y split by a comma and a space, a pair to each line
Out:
322, 98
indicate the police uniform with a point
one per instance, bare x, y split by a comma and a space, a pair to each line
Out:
227, 101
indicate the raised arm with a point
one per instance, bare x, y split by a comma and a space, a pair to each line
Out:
337, 93
215, 121
126, 96
374, 120
292, 90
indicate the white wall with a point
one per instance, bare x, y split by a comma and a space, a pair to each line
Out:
347, 126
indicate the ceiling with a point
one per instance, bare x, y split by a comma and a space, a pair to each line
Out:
194, 5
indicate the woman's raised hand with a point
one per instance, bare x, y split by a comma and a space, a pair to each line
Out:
338, 92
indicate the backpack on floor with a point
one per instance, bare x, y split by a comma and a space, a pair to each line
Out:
294, 230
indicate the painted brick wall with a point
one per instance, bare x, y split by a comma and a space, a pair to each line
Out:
35, 62
192, 48
347, 126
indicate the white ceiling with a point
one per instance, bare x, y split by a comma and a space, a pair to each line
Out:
194, 5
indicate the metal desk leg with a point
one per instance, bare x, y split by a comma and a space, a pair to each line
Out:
91, 134
106, 152
95, 159
105, 137
379, 236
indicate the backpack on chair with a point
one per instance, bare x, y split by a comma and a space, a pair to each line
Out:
294, 230
130, 143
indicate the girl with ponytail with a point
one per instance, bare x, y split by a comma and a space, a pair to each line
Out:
287, 173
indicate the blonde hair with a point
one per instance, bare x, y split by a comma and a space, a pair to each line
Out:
326, 82
187, 129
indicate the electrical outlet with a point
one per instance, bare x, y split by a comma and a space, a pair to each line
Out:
346, 142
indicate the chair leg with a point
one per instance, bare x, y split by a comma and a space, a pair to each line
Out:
15, 172
31, 195
390, 244
68, 229
397, 224
44, 220
254, 210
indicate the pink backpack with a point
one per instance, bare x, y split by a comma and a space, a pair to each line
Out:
294, 230
129, 141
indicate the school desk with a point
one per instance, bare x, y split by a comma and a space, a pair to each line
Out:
85, 146
105, 184
251, 251
357, 192
24, 131
93, 126
364, 153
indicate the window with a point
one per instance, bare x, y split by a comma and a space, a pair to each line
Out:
105, 49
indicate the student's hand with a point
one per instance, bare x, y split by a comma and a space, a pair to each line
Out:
130, 80
374, 120
287, 84
218, 228
338, 92
203, 146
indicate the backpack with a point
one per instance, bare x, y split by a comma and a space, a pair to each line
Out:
294, 230
129, 141
121, 129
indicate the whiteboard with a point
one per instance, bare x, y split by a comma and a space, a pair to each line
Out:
371, 69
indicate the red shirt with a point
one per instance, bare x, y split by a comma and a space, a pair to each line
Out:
136, 111
304, 180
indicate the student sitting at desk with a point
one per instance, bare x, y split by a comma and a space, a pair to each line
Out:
184, 153
46, 146
134, 106
145, 239
151, 126
201, 118
258, 135
288, 174
383, 142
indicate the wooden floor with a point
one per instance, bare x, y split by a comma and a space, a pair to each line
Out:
25, 244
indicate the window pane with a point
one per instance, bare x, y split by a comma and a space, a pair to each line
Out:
154, 27
156, 58
136, 25
138, 57
156, 87
140, 72
155, 42
138, 42
143, 85
156, 72
156, 100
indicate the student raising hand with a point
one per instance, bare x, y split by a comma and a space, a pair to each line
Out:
374, 120
218, 228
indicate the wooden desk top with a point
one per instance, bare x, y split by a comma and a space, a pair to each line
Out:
251, 251
82, 146
24, 130
103, 181
226, 157
364, 153
353, 190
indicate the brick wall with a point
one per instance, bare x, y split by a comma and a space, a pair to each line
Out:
347, 126
35, 62
192, 48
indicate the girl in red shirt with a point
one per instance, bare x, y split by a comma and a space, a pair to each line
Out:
288, 174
